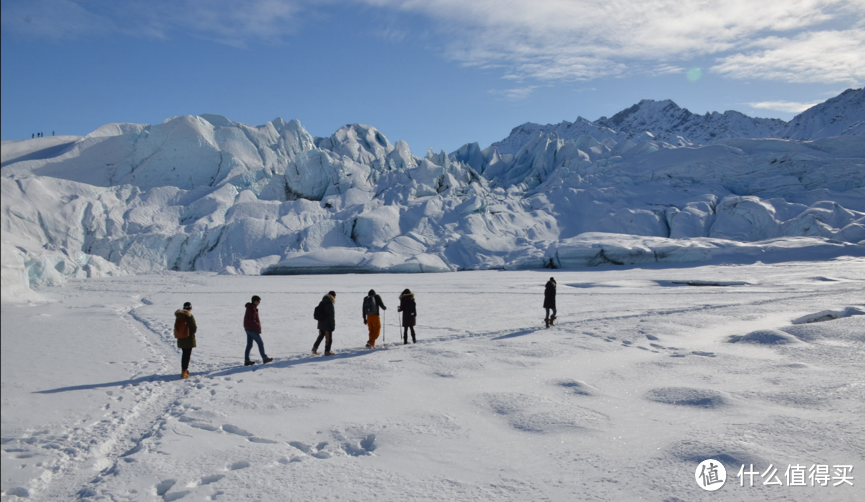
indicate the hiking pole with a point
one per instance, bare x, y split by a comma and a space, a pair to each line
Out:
384, 330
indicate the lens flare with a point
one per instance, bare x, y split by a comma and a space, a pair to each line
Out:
694, 74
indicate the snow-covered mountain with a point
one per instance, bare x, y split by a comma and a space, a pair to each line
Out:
842, 115
206, 193
668, 122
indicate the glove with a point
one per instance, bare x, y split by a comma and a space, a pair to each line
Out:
364, 320
399, 309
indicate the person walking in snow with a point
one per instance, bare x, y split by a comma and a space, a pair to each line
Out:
409, 314
325, 314
252, 325
184, 332
371, 305
550, 301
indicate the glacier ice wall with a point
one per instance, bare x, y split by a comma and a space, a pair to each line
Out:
206, 193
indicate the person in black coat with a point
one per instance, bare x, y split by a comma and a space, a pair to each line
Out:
550, 301
409, 315
326, 323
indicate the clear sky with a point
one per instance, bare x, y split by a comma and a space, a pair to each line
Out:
436, 73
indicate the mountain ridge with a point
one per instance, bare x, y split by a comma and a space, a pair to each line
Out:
668, 122
206, 193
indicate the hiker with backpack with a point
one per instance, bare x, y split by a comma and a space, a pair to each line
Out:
550, 301
252, 325
371, 305
409, 313
325, 314
184, 332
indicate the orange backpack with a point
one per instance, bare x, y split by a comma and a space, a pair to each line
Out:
181, 327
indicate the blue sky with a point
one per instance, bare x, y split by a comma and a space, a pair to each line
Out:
436, 73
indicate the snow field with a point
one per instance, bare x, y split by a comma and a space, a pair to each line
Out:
635, 385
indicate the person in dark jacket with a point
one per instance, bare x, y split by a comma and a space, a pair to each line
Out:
550, 301
252, 325
326, 323
409, 314
371, 305
184, 331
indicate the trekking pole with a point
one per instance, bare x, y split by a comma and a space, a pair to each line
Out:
384, 330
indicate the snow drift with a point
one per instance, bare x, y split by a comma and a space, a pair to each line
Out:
654, 183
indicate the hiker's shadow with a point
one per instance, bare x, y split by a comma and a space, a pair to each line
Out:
118, 383
233, 370
288, 363
515, 334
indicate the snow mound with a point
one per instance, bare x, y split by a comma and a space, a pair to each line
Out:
599, 249
577, 387
703, 283
355, 260
829, 315
763, 337
536, 414
730, 454
686, 396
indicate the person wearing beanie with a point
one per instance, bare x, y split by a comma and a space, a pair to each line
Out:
252, 325
184, 331
371, 305
550, 302
325, 314
409, 315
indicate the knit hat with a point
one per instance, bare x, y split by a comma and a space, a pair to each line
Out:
187, 306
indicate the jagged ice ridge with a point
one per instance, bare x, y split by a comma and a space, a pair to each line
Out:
653, 183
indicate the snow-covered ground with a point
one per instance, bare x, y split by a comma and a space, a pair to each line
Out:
636, 384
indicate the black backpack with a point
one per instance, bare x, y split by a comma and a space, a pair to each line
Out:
368, 305
317, 314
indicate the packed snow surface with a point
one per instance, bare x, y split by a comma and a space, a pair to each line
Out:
652, 184
635, 385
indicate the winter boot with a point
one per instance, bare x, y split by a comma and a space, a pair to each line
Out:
552, 320
368, 346
547, 322
266, 360
413, 339
314, 352
329, 354
248, 363
184, 374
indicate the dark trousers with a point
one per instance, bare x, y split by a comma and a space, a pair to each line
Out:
184, 359
324, 335
254, 337
405, 334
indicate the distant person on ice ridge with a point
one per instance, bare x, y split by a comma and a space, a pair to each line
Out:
252, 325
325, 314
184, 331
550, 301
409, 314
371, 304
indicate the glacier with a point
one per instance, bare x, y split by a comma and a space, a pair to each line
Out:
652, 184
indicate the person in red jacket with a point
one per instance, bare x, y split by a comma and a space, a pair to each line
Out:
252, 325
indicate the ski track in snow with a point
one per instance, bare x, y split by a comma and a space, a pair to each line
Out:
152, 449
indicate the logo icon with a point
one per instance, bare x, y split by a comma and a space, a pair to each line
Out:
710, 475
